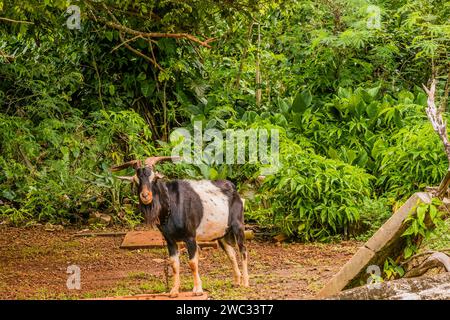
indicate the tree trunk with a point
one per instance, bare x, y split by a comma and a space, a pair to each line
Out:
258, 71
440, 126
443, 187
244, 56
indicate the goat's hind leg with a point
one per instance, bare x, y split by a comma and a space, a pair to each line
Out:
192, 248
228, 248
238, 231
244, 255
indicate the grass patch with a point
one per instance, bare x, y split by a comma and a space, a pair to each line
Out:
440, 238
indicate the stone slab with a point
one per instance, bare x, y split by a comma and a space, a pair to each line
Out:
347, 272
390, 229
387, 241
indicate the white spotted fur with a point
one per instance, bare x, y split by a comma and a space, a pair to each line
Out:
216, 210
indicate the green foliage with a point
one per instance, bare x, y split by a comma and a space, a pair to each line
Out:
410, 160
346, 98
66, 172
392, 270
422, 222
313, 197
374, 214
440, 238
421, 225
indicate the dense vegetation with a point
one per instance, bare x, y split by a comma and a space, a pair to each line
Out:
344, 94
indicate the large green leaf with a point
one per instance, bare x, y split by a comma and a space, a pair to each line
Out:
344, 93
421, 99
302, 101
373, 91
372, 109
147, 88
282, 105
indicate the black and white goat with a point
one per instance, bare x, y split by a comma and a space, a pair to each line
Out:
191, 211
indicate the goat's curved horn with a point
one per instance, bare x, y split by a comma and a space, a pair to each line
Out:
151, 161
127, 178
133, 163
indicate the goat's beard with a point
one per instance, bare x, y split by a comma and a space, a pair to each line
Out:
151, 213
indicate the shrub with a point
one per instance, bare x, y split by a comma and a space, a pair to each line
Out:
410, 160
312, 197
59, 170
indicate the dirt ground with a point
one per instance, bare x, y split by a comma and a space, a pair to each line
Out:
33, 265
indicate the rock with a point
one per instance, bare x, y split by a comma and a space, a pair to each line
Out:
5, 222
100, 218
280, 237
260, 179
106, 219
435, 287
249, 234
157, 260
51, 227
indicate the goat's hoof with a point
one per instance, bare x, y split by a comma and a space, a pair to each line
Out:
237, 282
197, 291
173, 294
245, 283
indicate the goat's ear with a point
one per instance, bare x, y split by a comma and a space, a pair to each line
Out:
133, 163
159, 176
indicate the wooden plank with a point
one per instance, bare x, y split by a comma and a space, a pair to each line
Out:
100, 234
153, 239
158, 296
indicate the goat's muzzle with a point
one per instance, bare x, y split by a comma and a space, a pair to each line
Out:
146, 197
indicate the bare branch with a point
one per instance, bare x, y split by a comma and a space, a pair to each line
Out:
187, 36
7, 57
118, 26
126, 41
440, 126
137, 52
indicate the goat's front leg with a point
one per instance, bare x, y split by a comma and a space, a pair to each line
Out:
191, 245
174, 260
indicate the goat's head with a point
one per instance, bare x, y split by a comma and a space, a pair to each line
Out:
145, 175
